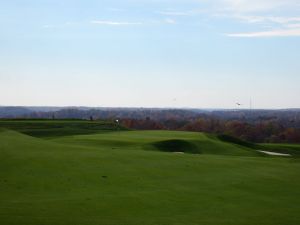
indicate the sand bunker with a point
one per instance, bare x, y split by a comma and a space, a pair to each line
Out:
275, 153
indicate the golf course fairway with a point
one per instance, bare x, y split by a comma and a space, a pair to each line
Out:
121, 177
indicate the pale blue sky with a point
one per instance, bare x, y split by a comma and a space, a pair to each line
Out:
150, 53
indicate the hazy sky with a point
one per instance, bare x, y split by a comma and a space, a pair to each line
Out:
150, 53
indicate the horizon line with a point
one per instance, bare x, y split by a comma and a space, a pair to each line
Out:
141, 107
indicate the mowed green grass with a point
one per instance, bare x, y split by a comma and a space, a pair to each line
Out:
133, 178
168, 141
57, 128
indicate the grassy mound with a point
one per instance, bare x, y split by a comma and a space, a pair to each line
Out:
102, 133
234, 140
57, 128
167, 141
176, 145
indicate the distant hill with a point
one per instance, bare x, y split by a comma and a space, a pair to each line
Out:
288, 116
12, 112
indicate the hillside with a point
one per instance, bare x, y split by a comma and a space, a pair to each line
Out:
56, 128
165, 141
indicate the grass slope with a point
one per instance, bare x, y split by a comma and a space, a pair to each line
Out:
168, 141
112, 179
56, 128
292, 149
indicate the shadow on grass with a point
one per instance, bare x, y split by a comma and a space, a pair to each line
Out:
176, 145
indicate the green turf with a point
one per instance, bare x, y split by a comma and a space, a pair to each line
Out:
169, 141
132, 178
49, 128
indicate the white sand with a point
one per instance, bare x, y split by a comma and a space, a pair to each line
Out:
275, 153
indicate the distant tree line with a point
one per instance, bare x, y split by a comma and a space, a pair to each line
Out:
262, 131
249, 125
